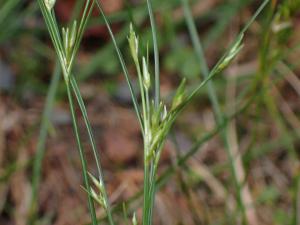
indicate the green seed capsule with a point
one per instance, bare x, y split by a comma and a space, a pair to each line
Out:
147, 80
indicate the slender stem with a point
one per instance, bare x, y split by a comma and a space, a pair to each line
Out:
150, 178
83, 23
149, 192
213, 97
138, 68
82, 156
82, 107
152, 192
146, 195
156, 54
124, 68
147, 167
146, 190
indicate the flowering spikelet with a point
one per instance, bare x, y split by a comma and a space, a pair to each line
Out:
49, 4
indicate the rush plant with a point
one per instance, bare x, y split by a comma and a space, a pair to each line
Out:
66, 43
155, 116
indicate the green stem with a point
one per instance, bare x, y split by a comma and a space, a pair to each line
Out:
149, 176
152, 192
213, 97
83, 23
123, 65
82, 156
146, 192
138, 68
156, 54
82, 107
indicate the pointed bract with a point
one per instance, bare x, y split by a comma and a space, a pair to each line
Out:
134, 220
235, 49
180, 95
49, 4
73, 34
147, 80
133, 44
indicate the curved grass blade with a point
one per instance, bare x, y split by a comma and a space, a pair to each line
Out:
124, 68
82, 157
82, 107
225, 60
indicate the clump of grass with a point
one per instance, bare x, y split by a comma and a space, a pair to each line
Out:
155, 116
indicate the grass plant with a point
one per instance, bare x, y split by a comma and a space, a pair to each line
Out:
155, 117
66, 44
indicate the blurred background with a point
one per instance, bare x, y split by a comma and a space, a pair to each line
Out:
261, 89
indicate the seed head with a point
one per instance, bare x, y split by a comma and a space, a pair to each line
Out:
133, 44
134, 220
164, 113
180, 95
235, 49
147, 80
73, 34
49, 4
98, 183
